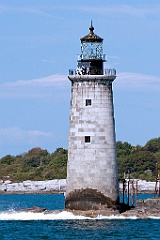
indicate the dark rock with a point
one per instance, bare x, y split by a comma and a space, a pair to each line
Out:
34, 209
88, 199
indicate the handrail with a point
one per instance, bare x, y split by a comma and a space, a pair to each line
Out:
91, 56
107, 72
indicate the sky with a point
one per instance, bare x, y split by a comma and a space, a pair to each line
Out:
39, 43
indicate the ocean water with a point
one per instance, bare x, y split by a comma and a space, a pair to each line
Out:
64, 225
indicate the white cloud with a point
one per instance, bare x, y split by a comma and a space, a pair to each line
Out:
15, 134
58, 83
137, 82
40, 87
39, 82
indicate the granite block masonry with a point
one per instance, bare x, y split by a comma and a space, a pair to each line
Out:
92, 176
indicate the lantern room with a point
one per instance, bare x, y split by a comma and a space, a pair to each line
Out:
92, 57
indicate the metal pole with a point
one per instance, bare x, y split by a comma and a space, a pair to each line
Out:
123, 190
133, 194
155, 190
158, 180
159, 187
128, 184
137, 189
128, 192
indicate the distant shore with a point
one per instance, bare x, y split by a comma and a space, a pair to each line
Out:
58, 186
36, 187
30, 192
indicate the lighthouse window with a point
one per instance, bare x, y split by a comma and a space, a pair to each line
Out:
87, 139
88, 102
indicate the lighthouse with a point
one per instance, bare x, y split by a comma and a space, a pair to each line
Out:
92, 178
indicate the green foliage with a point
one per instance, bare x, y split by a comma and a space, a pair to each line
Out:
59, 163
139, 161
8, 159
153, 145
36, 164
123, 149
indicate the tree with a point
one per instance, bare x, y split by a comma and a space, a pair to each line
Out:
153, 145
8, 159
140, 161
123, 149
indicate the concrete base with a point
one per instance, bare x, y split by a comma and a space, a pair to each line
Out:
89, 199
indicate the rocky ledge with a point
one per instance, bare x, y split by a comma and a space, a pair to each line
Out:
145, 209
149, 208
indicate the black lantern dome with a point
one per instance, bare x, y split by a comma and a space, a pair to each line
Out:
91, 37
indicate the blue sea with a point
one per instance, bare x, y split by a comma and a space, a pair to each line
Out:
64, 225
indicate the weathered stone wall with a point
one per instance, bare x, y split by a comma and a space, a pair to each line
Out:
92, 165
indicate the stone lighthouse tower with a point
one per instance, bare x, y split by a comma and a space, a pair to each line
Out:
92, 179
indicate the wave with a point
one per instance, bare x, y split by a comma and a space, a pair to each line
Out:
63, 215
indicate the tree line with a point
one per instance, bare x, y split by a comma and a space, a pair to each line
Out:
38, 164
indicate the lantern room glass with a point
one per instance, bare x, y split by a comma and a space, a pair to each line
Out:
91, 50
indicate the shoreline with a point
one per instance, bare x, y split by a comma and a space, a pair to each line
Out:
28, 186
145, 209
54, 192
57, 186
29, 192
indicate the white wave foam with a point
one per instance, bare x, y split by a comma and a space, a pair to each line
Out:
153, 217
63, 215
116, 217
